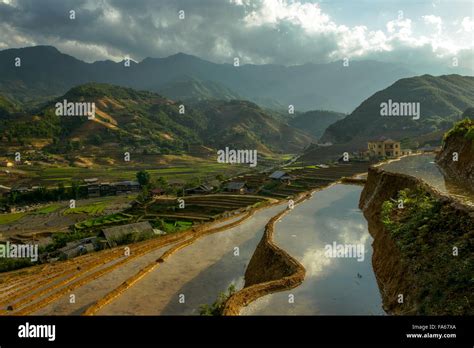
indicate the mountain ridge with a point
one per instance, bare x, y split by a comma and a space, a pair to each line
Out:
46, 72
442, 100
145, 122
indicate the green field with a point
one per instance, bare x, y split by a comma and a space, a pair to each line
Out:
104, 220
171, 226
48, 209
90, 209
9, 218
51, 176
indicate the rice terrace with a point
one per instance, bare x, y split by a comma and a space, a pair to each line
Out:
250, 166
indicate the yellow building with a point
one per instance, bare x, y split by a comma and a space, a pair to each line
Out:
384, 147
7, 164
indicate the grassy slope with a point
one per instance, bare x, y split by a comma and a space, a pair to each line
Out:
315, 122
426, 231
145, 122
442, 100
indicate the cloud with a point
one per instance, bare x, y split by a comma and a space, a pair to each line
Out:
261, 31
467, 24
434, 20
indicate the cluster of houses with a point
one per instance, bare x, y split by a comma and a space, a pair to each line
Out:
93, 186
235, 187
107, 238
97, 189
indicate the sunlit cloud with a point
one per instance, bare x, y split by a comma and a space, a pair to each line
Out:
261, 31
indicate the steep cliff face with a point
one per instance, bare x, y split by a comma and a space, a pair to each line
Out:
457, 156
417, 268
391, 273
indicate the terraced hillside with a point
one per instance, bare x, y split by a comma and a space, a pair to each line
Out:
144, 123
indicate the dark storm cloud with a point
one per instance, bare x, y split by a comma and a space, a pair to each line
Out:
261, 31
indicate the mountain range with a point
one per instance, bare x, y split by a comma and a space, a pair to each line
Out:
441, 102
146, 123
315, 122
138, 107
45, 73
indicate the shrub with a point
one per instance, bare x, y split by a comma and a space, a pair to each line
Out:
426, 231
217, 307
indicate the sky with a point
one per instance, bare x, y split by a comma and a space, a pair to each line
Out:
430, 35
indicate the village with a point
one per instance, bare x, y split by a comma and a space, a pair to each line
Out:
152, 209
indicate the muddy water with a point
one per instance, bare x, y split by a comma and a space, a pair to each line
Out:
425, 168
200, 272
333, 286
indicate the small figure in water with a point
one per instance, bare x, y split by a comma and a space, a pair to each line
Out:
359, 275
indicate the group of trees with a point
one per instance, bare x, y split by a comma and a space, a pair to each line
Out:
43, 194
147, 184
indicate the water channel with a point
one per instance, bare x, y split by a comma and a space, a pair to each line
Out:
333, 285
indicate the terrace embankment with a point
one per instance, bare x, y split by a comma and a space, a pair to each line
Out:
456, 159
199, 272
271, 269
128, 283
422, 249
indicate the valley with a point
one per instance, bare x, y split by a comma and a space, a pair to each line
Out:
188, 197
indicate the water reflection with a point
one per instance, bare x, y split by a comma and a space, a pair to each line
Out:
425, 168
341, 286
223, 267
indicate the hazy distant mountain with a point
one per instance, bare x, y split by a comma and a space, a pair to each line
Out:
315, 122
194, 89
442, 101
243, 124
145, 122
7, 107
46, 72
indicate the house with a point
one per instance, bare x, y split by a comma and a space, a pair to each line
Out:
93, 190
281, 176
107, 189
77, 248
156, 192
91, 180
429, 148
345, 160
236, 187
176, 183
139, 230
4, 191
384, 147
406, 152
7, 164
21, 189
199, 190
127, 186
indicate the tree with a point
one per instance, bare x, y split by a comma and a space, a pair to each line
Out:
60, 191
144, 195
13, 197
75, 189
162, 183
143, 177
217, 307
